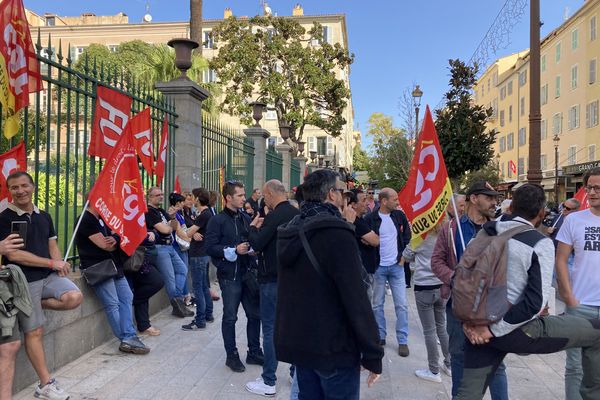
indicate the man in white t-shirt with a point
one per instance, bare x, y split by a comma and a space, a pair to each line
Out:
580, 233
394, 234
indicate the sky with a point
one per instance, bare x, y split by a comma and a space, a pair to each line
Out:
396, 43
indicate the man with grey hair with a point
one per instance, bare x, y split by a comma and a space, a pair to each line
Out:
460, 201
263, 239
391, 225
569, 206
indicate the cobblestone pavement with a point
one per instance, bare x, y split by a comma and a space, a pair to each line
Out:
191, 365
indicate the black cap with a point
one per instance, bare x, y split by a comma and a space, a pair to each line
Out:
481, 187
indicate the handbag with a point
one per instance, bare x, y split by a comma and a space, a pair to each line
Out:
134, 262
100, 272
183, 244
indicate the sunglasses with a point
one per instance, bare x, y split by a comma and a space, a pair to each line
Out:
370, 192
568, 208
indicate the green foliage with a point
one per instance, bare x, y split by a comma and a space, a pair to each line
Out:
489, 173
53, 199
392, 154
5, 145
360, 159
274, 57
461, 125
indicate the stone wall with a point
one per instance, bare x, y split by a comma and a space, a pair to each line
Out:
70, 334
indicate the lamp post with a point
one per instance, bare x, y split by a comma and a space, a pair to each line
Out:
417, 94
556, 139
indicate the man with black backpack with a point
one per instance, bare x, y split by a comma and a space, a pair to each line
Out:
528, 267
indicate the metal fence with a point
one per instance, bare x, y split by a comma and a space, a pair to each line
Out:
56, 130
228, 148
274, 168
295, 177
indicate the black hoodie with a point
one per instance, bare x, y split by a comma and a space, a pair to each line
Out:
323, 321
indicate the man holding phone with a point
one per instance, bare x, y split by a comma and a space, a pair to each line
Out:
46, 273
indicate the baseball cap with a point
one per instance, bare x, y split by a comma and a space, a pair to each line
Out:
481, 187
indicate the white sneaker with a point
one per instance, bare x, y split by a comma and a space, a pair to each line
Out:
260, 387
427, 375
51, 391
446, 370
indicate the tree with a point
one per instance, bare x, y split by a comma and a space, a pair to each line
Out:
360, 159
196, 24
488, 173
406, 105
392, 154
287, 67
461, 125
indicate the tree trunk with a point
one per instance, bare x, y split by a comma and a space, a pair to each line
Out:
196, 24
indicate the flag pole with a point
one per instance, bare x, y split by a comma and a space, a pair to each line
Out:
460, 233
85, 206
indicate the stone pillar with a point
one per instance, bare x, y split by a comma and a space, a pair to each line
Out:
187, 96
259, 138
302, 163
286, 154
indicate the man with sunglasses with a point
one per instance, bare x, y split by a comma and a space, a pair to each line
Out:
569, 206
372, 204
580, 288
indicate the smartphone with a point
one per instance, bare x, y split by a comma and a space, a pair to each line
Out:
20, 228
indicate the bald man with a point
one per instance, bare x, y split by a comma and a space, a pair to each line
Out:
391, 225
263, 239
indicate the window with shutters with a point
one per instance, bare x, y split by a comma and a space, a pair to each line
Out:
312, 143
522, 137
207, 40
330, 150
509, 113
522, 78
544, 94
543, 162
502, 93
557, 87
592, 74
521, 166
557, 124
557, 53
591, 114
509, 88
572, 155
574, 74
544, 129
592, 152
209, 75
543, 63
522, 106
501, 117
574, 39
573, 117
502, 144
510, 141
593, 28
321, 145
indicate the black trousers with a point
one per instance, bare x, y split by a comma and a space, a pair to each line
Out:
144, 286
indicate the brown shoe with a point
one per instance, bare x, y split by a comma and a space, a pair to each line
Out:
403, 350
152, 331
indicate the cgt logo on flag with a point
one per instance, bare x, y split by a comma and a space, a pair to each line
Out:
11, 161
140, 127
512, 166
110, 119
427, 192
162, 156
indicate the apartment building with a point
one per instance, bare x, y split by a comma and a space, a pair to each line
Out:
570, 96
88, 28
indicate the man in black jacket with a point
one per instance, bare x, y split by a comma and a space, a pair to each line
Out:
227, 245
263, 238
391, 225
324, 323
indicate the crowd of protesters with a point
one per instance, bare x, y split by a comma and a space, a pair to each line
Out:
347, 248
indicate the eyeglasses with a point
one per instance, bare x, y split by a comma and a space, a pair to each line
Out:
568, 208
593, 188
370, 192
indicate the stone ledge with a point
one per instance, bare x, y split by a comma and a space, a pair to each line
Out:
70, 334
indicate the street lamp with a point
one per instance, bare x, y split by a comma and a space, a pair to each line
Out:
556, 139
417, 94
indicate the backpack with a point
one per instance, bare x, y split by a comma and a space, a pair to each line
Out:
479, 290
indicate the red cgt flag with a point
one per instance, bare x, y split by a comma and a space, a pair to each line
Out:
19, 67
118, 195
162, 155
177, 188
13, 160
140, 127
512, 166
582, 196
427, 192
110, 119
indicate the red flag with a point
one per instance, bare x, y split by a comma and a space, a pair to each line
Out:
162, 155
427, 191
110, 118
13, 160
140, 127
19, 67
118, 195
582, 196
512, 166
177, 188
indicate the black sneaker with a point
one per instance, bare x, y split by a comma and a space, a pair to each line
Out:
210, 319
177, 311
233, 361
186, 311
134, 345
193, 326
255, 358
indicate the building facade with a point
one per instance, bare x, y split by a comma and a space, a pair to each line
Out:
110, 31
569, 103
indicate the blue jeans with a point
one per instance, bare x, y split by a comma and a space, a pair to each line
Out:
268, 301
234, 293
498, 386
394, 274
341, 383
573, 369
204, 303
294, 390
116, 297
172, 269
186, 260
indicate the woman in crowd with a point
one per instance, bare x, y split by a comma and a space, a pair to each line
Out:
180, 237
431, 307
96, 244
189, 209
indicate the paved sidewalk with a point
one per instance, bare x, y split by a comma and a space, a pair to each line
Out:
191, 365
